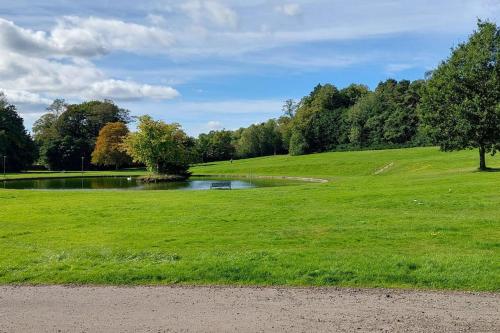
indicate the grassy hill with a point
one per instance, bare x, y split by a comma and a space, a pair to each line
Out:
414, 218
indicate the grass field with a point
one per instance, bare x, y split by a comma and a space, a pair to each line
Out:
412, 218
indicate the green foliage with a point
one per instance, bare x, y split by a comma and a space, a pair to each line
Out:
163, 148
461, 102
69, 132
328, 119
325, 122
298, 144
215, 146
15, 143
388, 116
260, 140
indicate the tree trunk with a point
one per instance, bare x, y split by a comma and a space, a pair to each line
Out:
482, 159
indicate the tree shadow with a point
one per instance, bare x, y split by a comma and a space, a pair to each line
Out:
490, 170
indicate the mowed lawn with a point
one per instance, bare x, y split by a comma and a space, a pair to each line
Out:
411, 218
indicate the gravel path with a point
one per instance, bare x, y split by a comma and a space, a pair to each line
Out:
227, 309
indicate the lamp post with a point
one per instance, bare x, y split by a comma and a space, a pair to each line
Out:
4, 166
82, 164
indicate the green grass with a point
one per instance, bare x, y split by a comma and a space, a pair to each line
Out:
429, 220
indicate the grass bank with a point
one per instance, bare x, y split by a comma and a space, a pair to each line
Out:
412, 218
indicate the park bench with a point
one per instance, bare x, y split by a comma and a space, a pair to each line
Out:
220, 186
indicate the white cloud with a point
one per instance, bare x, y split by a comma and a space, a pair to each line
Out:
214, 125
118, 89
84, 37
221, 15
25, 97
88, 36
211, 11
36, 66
290, 9
77, 78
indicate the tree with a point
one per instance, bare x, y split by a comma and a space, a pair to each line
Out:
15, 143
69, 132
289, 108
353, 93
44, 130
260, 140
108, 150
298, 144
215, 146
319, 119
386, 117
461, 101
163, 148
57, 107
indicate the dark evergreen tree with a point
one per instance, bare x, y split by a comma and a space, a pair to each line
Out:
16, 145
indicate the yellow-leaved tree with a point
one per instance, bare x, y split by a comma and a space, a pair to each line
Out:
109, 150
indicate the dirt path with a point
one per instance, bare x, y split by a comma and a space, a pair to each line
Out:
220, 309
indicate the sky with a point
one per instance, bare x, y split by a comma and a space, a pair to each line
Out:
213, 64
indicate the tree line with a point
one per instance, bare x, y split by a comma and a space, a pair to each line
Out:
456, 106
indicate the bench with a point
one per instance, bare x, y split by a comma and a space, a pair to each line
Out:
220, 186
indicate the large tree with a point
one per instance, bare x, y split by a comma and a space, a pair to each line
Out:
320, 121
461, 101
163, 148
109, 150
69, 132
215, 146
16, 146
387, 117
45, 131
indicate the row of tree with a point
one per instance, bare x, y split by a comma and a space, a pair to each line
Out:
328, 119
457, 106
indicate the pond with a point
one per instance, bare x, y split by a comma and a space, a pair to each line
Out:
132, 183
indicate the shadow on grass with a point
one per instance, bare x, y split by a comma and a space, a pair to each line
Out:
489, 170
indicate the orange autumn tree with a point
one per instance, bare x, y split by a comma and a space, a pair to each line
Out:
108, 150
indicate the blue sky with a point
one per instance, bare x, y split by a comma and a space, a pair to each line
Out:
211, 64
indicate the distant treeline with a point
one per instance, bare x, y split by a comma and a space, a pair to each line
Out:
328, 119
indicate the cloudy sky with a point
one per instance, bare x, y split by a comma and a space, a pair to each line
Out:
212, 64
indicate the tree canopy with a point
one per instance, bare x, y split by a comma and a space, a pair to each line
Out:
461, 101
109, 150
215, 146
163, 148
69, 132
15, 143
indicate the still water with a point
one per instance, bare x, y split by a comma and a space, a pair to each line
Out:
124, 183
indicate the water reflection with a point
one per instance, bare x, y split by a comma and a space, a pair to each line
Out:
131, 183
